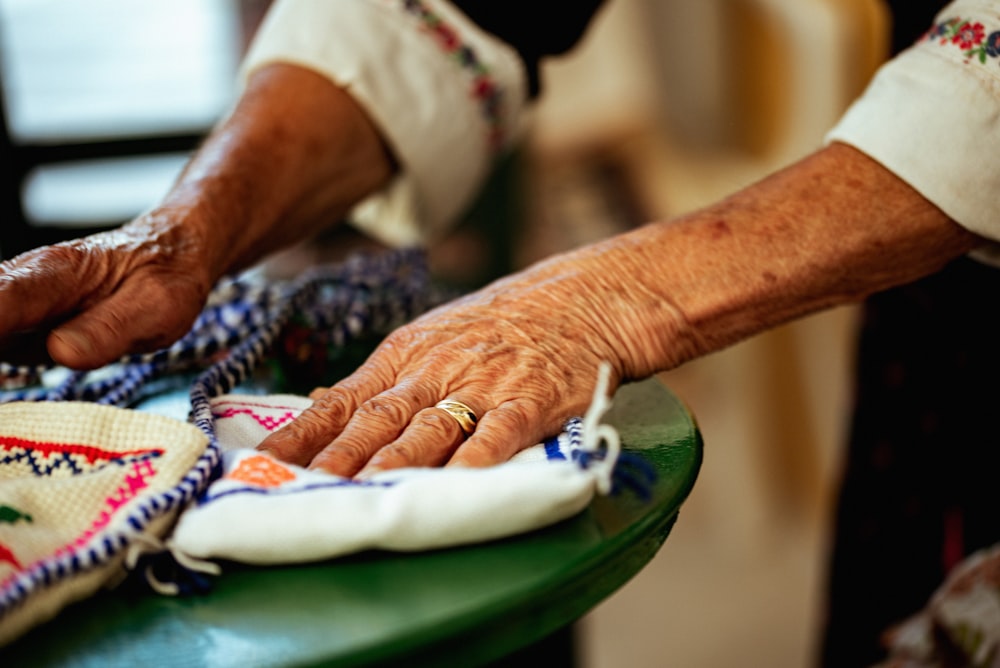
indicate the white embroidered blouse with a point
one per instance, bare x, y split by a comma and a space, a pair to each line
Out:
932, 117
448, 96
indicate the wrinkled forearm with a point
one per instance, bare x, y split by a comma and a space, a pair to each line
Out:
292, 158
828, 230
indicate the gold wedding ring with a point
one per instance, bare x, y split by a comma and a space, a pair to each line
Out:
463, 415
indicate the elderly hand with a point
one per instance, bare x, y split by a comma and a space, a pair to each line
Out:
92, 300
296, 153
522, 354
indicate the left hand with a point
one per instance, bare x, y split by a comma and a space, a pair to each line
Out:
523, 354
85, 303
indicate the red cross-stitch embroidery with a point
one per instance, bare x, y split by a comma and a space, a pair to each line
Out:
134, 481
7, 556
23, 456
11, 515
484, 89
967, 35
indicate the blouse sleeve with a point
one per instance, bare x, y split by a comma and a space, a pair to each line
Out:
448, 93
932, 116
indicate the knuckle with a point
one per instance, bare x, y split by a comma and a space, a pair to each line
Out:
516, 418
496, 450
510, 428
347, 449
331, 406
111, 321
398, 455
386, 409
437, 421
311, 425
483, 449
310, 429
343, 458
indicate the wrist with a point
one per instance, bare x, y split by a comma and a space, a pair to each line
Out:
293, 158
829, 230
178, 240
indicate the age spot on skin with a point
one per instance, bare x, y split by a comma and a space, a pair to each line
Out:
769, 277
720, 228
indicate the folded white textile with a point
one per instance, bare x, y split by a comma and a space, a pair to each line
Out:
263, 511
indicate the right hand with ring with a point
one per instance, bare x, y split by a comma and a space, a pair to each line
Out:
522, 355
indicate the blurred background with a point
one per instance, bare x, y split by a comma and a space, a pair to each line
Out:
663, 108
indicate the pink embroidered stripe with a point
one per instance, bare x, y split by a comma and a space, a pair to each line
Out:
133, 483
265, 421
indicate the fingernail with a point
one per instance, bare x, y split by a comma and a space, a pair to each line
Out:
367, 472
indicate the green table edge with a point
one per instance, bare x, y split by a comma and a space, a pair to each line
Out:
491, 631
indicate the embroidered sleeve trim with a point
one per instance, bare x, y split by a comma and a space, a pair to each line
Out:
483, 88
968, 36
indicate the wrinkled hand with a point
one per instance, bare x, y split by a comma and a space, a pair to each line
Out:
87, 302
522, 353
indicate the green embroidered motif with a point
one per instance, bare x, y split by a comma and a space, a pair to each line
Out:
11, 515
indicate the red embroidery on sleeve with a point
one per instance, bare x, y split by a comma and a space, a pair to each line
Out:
968, 36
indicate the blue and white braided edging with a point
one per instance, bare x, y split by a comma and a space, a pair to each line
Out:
365, 294
596, 447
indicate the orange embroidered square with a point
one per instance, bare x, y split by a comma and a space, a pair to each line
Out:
261, 471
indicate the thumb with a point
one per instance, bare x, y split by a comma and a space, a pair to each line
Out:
143, 315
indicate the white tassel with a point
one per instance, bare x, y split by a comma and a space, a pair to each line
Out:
595, 433
148, 544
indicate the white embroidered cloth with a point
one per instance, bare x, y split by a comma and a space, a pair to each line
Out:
262, 511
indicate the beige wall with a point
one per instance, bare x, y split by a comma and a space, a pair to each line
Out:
693, 100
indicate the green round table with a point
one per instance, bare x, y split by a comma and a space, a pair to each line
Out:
456, 607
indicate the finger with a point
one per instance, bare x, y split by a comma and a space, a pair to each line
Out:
429, 440
501, 434
40, 286
303, 438
143, 315
376, 423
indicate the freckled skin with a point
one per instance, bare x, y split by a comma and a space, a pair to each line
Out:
720, 229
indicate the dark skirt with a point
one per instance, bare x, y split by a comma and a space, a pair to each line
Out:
921, 482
